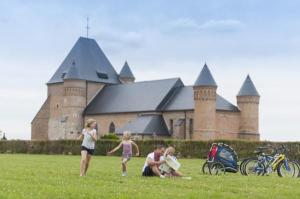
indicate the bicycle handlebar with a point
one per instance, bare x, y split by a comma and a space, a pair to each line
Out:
282, 148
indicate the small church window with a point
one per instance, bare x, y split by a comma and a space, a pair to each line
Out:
171, 126
191, 128
112, 128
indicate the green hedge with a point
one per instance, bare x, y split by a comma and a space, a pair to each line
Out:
184, 149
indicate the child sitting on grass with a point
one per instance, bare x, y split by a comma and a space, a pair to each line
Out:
166, 169
126, 143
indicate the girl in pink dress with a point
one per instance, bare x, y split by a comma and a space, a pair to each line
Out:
126, 143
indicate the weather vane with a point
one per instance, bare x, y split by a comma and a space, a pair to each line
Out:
87, 27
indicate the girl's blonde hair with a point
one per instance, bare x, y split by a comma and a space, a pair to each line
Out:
126, 135
89, 122
169, 149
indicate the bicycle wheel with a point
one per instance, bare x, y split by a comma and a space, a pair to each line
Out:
205, 168
254, 167
288, 169
243, 163
217, 168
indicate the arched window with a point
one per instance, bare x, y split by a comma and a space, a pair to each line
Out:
112, 128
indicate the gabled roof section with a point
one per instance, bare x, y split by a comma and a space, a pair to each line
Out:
89, 59
184, 100
126, 72
205, 78
72, 73
146, 125
135, 97
248, 88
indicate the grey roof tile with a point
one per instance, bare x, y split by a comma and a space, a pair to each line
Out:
158, 95
248, 88
205, 78
184, 100
134, 97
72, 73
146, 125
126, 71
89, 59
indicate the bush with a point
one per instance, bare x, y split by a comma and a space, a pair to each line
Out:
110, 136
184, 148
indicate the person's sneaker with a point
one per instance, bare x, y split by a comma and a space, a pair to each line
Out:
162, 176
124, 174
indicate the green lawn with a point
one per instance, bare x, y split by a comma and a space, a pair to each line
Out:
57, 176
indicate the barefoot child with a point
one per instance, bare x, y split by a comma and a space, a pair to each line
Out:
126, 143
89, 137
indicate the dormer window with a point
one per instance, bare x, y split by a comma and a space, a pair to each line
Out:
102, 75
63, 75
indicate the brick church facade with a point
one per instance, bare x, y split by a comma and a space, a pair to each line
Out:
87, 86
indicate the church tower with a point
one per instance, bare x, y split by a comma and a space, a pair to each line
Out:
205, 89
126, 75
75, 100
248, 103
82, 74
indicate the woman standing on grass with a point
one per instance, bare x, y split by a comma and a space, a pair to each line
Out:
89, 137
126, 143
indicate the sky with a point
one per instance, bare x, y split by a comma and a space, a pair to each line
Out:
159, 39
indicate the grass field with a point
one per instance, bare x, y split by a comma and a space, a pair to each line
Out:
56, 176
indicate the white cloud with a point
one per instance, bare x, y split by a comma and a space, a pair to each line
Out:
226, 25
115, 37
222, 25
184, 23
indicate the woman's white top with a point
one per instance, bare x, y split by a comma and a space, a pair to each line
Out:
88, 141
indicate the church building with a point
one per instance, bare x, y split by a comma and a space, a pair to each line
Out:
86, 85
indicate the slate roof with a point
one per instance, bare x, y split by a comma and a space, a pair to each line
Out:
248, 88
146, 125
184, 100
126, 72
134, 97
72, 73
91, 63
205, 78
158, 95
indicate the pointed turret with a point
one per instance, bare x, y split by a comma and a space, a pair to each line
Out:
248, 88
126, 75
248, 103
205, 78
205, 88
75, 93
72, 73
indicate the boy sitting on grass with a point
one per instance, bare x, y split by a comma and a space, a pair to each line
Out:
153, 162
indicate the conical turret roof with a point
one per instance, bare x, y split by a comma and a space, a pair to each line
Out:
248, 88
205, 78
72, 73
126, 71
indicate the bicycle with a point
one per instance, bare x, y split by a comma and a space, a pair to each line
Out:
264, 164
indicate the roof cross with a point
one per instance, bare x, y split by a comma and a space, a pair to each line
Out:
87, 27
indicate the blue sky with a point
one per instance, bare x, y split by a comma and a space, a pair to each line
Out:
159, 39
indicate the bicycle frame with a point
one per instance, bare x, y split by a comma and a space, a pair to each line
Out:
277, 160
273, 162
